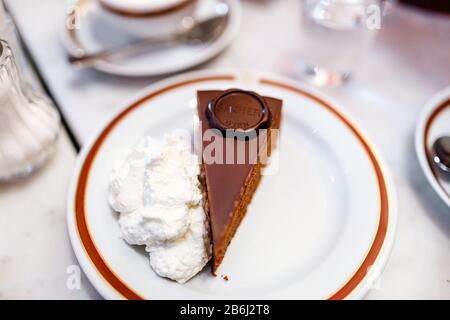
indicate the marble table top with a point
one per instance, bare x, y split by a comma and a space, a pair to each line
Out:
408, 64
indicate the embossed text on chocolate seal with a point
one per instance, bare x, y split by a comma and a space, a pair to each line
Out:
239, 110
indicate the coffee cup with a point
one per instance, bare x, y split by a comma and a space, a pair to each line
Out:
144, 18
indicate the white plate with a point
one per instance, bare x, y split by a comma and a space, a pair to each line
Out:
92, 35
322, 227
434, 122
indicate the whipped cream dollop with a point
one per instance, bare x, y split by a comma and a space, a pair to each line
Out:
157, 193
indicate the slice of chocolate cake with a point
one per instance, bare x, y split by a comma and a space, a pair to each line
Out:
237, 128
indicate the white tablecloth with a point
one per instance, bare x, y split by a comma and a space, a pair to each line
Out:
410, 61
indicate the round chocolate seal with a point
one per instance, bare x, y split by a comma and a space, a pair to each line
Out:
239, 110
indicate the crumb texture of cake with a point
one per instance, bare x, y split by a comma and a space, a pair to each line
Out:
236, 217
157, 193
229, 187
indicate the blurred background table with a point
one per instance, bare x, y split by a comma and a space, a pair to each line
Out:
410, 62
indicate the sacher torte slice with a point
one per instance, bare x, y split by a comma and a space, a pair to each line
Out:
229, 185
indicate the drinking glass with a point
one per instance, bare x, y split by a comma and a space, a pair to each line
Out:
335, 36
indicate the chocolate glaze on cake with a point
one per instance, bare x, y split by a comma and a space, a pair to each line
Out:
229, 185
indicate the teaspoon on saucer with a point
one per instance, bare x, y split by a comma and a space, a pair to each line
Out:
441, 154
192, 33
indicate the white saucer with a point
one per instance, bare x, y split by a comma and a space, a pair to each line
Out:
320, 228
434, 122
93, 35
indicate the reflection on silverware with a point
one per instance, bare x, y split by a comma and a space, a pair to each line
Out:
441, 154
192, 33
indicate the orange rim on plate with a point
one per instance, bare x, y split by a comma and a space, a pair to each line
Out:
122, 289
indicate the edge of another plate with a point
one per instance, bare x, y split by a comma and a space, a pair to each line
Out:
432, 109
107, 291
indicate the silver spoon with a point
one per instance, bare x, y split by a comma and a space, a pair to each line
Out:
441, 154
196, 32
